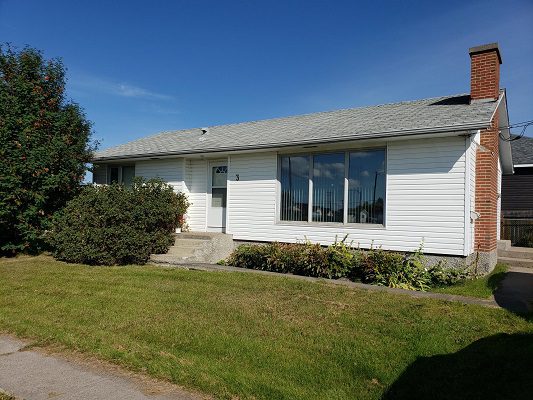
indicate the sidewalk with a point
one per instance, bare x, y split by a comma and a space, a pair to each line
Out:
33, 374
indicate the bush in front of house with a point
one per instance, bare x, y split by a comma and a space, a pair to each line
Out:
117, 225
374, 266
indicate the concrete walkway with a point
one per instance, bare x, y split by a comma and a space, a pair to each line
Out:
515, 292
33, 374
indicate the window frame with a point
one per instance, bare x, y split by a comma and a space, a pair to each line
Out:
345, 222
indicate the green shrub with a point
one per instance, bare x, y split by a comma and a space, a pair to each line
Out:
114, 224
375, 266
442, 276
248, 256
300, 259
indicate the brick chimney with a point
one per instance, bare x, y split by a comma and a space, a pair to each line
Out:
485, 86
485, 72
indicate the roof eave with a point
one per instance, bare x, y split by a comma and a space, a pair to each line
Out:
452, 130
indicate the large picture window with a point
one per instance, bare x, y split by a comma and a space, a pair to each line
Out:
328, 187
343, 187
366, 186
294, 188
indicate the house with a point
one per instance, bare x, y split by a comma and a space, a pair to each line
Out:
392, 175
517, 189
517, 193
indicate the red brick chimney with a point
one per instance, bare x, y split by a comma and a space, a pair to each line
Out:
485, 72
485, 86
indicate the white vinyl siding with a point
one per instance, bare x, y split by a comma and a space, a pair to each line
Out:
425, 201
170, 170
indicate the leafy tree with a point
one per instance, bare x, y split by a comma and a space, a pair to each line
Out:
44, 147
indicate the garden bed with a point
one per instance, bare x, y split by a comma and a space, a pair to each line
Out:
374, 266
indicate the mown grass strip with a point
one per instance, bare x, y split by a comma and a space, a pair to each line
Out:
250, 336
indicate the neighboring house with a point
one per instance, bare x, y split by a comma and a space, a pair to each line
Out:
517, 194
393, 175
517, 189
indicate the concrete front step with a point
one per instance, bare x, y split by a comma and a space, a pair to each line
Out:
517, 252
196, 247
198, 235
516, 262
180, 251
190, 242
170, 259
504, 244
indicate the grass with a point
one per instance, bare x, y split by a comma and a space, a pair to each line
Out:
482, 287
5, 396
248, 336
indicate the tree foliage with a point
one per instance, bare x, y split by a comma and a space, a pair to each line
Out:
44, 147
115, 224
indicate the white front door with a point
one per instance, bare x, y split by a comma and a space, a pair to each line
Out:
216, 196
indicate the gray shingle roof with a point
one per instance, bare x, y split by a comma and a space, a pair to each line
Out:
411, 117
522, 150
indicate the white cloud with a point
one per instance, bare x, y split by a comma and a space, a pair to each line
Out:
88, 83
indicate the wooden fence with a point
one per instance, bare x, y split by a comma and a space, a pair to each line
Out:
515, 229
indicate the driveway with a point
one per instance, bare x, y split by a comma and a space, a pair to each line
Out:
515, 292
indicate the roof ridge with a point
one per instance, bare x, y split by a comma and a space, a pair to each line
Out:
167, 132
339, 109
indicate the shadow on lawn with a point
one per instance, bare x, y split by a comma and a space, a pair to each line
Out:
495, 367
515, 293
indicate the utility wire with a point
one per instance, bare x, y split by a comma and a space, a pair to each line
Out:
522, 125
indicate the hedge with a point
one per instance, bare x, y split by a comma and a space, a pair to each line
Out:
115, 224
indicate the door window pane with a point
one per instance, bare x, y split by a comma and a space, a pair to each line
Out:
218, 197
328, 187
219, 176
366, 186
294, 188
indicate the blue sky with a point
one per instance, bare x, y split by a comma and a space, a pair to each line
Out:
140, 67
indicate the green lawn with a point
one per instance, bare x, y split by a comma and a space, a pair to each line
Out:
248, 336
482, 287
